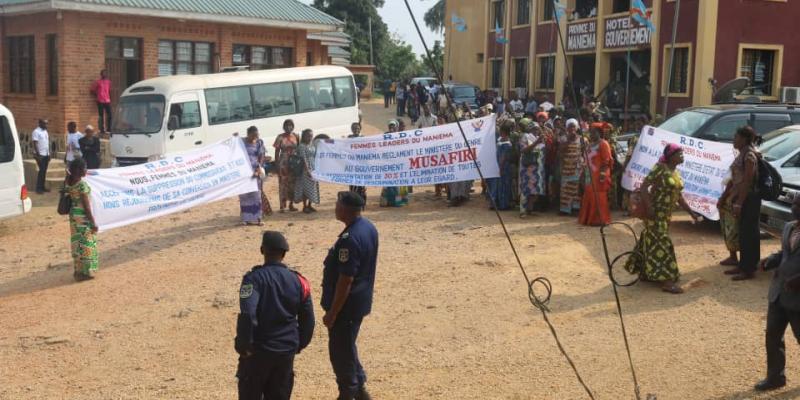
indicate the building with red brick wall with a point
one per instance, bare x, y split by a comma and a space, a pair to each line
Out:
716, 41
54, 50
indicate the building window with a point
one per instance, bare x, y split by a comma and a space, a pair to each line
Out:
679, 83
547, 10
547, 72
523, 12
21, 65
309, 59
497, 73
760, 67
621, 6
498, 14
521, 73
183, 58
52, 65
261, 57
585, 9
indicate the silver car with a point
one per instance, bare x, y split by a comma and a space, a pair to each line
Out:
781, 148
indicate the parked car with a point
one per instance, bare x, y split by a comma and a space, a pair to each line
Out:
463, 93
719, 122
781, 148
775, 214
424, 80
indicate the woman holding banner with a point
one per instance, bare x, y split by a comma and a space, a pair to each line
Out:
532, 178
83, 228
250, 204
499, 189
654, 258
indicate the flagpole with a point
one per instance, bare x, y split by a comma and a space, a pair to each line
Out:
671, 57
627, 86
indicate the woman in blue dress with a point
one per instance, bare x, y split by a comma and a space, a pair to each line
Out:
500, 189
250, 204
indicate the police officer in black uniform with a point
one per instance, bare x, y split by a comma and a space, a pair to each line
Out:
347, 286
275, 323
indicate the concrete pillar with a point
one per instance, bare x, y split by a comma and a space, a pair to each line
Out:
705, 51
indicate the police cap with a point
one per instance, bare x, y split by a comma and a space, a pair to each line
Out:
274, 241
351, 199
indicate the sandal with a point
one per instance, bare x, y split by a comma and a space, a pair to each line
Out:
674, 289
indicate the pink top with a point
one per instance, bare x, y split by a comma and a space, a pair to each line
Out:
102, 89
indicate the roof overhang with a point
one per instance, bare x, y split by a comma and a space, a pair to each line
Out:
62, 5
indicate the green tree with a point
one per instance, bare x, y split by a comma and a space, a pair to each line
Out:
437, 54
434, 17
398, 60
356, 15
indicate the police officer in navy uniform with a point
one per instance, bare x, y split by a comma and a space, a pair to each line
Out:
347, 287
275, 323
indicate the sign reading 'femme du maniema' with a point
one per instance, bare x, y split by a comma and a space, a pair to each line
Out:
582, 36
705, 167
420, 157
123, 196
622, 32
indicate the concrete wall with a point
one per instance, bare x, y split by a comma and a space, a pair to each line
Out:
461, 60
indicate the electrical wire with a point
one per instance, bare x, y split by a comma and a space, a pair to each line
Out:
539, 302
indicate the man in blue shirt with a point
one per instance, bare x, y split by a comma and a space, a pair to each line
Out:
275, 323
347, 287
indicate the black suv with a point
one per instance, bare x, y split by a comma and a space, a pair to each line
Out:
719, 122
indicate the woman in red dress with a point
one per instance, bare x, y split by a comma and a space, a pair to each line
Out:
594, 207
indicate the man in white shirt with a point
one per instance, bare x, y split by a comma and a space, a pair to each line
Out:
427, 119
516, 105
73, 142
41, 152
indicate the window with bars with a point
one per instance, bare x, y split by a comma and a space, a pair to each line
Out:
497, 73
52, 65
547, 10
521, 73
184, 58
262, 57
679, 82
759, 66
547, 72
498, 14
20, 59
621, 6
523, 12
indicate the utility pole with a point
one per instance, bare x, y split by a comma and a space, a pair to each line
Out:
369, 24
671, 57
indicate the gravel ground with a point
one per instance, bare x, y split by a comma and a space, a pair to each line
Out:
451, 317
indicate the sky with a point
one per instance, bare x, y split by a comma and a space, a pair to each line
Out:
395, 15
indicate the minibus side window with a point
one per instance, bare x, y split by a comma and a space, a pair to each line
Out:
315, 95
7, 145
344, 92
188, 114
273, 99
229, 105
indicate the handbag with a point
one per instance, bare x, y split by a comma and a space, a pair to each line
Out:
296, 165
64, 201
637, 208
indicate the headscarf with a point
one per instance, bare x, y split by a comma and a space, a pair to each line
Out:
393, 122
525, 122
542, 114
670, 150
573, 121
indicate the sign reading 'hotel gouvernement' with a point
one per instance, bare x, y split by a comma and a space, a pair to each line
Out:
622, 32
582, 36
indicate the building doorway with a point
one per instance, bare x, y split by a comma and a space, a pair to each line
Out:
123, 63
637, 71
583, 78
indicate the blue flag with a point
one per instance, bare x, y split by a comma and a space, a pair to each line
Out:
559, 10
458, 23
641, 15
499, 34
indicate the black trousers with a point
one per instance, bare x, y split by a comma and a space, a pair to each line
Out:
104, 108
386, 99
350, 375
266, 376
42, 162
401, 107
778, 318
749, 234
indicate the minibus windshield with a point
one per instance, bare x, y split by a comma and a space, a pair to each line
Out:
139, 114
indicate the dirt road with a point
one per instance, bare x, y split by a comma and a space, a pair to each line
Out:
451, 317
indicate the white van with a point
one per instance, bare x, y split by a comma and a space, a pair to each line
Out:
14, 200
176, 113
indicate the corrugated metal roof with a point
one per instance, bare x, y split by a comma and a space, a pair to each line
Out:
275, 10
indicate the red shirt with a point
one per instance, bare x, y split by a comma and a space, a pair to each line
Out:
102, 90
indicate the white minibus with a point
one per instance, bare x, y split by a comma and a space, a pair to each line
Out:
14, 198
175, 113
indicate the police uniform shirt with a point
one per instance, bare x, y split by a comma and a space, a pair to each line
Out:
354, 254
277, 314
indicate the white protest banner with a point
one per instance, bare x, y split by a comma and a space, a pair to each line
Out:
124, 196
705, 167
411, 158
